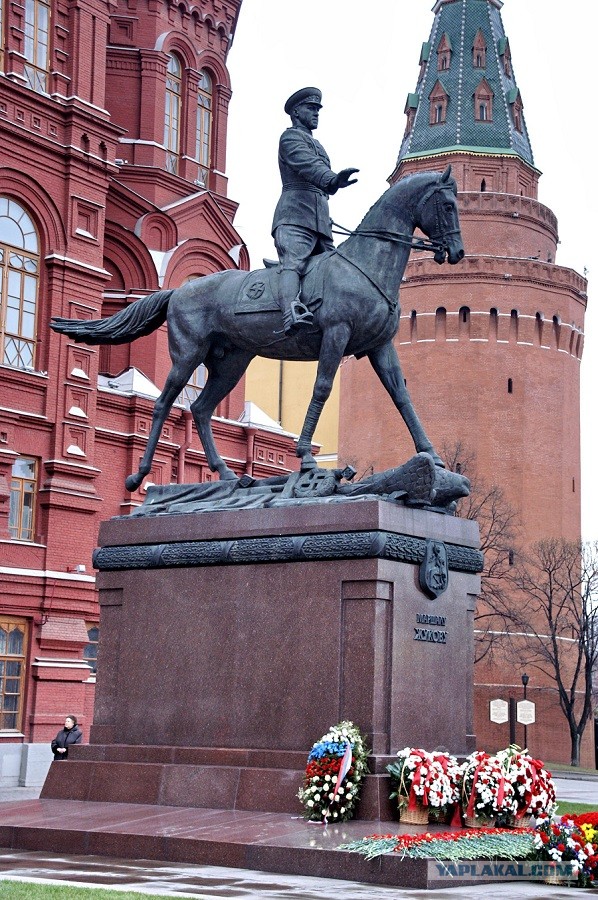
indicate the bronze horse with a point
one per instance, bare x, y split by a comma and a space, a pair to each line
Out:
354, 294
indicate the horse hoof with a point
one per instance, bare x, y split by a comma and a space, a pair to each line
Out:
132, 482
228, 475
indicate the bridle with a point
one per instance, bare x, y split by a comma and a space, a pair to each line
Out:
437, 242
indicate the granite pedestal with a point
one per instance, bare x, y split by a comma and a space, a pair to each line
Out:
231, 641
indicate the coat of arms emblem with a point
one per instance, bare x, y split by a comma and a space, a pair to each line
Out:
433, 572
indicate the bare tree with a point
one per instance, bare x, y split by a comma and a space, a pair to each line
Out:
556, 616
499, 531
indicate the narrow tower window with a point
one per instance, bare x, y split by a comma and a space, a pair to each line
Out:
493, 331
438, 104
539, 328
172, 113
482, 102
444, 53
440, 324
509, 385
479, 51
464, 323
514, 332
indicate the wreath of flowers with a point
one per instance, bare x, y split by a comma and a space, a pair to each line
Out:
429, 778
532, 783
335, 769
486, 788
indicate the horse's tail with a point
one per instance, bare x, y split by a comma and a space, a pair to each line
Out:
128, 324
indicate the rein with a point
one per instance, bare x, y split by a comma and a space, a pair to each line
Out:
433, 244
396, 237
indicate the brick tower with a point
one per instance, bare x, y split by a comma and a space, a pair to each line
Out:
490, 348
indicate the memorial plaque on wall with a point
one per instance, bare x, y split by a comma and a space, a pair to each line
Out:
499, 711
526, 712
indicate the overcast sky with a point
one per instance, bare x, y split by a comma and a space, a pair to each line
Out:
365, 59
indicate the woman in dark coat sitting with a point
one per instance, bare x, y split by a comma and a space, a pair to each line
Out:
70, 734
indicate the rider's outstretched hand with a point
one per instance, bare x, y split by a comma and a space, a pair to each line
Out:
344, 177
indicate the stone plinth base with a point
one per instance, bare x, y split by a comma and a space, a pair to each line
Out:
231, 641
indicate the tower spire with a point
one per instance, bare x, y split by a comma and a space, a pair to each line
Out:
466, 99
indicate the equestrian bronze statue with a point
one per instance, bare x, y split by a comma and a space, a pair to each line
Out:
226, 319
301, 227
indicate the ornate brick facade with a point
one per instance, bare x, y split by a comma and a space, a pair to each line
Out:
113, 116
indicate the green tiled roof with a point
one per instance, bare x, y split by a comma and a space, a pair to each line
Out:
461, 20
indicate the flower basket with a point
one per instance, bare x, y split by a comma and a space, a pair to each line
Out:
425, 784
336, 766
419, 815
486, 791
478, 822
533, 787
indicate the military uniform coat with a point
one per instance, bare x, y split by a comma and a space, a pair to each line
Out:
307, 180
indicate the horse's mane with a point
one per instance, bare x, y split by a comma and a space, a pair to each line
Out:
404, 195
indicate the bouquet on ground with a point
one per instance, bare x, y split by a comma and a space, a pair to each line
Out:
335, 769
532, 783
425, 779
486, 789
564, 839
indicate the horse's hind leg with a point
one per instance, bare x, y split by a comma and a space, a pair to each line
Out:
223, 375
175, 382
385, 363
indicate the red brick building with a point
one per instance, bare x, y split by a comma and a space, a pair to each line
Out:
113, 118
490, 348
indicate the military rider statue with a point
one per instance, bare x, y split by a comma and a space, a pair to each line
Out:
301, 226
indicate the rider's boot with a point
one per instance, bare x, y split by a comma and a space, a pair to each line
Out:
294, 312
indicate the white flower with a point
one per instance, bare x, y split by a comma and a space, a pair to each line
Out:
343, 810
349, 797
316, 797
310, 802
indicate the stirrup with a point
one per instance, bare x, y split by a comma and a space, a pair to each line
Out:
298, 314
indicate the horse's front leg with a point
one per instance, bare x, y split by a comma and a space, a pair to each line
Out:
334, 342
387, 367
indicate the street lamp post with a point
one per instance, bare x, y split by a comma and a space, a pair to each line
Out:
524, 681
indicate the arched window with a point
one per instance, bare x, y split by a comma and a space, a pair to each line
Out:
172, 113
203, 134
36, 48
19, 276
194, 386
13, 647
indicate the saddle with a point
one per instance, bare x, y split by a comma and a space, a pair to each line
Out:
259, 291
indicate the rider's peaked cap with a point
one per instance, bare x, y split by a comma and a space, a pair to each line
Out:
305, 95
